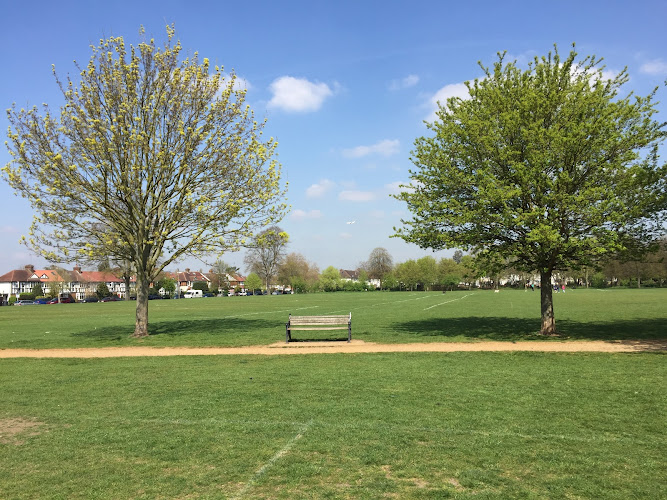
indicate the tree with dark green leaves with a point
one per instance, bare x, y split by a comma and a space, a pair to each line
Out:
549, 168
102, 291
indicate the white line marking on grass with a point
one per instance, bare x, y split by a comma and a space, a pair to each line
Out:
448, 301
281, 453
269, 312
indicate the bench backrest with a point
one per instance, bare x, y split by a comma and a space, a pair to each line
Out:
320, 320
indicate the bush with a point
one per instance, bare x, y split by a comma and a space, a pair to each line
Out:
27, 296
12, 300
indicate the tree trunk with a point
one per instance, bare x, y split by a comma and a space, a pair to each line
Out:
547, 304
141, 325
127, 286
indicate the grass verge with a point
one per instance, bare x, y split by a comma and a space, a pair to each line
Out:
461, 425
376, 316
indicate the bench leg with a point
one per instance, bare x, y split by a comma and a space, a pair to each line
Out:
349, 333
288, 337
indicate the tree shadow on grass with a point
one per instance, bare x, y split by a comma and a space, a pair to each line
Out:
512, 329
184, 328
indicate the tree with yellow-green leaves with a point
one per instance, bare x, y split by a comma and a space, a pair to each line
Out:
153, 157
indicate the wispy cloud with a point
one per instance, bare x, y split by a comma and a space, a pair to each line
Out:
399, 187
386, 147
8, 230
357, 196
302, 214
404, 83
298, 95
654, 67
320, 189
452, 90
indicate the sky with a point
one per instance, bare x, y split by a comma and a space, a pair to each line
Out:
346, 87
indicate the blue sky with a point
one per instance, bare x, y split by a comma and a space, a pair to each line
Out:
345, 86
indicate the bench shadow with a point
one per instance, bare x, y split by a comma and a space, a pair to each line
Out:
182, 328
512, 329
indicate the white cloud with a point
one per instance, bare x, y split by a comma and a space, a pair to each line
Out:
404, 83
385, 148
298, 94
320, 189
441, 96
345, 236
8, 230
399, 187
241, 84
654, 67
302, 214
360, 196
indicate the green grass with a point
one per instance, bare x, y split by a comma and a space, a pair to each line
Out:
376, 316
402, 425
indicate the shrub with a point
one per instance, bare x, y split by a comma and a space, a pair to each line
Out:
27, 296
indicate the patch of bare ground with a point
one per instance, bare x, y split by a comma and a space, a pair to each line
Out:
342, 347
14, 430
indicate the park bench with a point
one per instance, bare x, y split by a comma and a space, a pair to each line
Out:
317, 323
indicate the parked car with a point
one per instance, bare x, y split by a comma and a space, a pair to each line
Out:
42, 301
90, 299
154, 296
243, 293
209, 294
112, 298
24, 303
63, 300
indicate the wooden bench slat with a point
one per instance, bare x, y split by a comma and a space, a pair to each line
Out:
321, 328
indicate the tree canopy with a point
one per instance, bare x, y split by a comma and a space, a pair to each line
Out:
549, 168
153, 156
266, 253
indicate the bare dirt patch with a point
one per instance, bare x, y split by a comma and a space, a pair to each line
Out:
343, 347
13, 430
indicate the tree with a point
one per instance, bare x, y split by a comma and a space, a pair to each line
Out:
37, 290
408, 273
379, 263
296, 271
102, 291
153, 157
428, 271
253, 282
548, 166
266, 253
458, 255
221, 270
330, 279
168, 284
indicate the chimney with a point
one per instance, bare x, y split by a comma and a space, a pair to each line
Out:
187, 269
77, 269
30, 268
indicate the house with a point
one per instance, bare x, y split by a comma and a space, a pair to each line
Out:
186, 279
17, 282
79, 283
348, 275
225, 281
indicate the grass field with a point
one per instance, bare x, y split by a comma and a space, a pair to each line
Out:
462, 425
399, 425
376, 316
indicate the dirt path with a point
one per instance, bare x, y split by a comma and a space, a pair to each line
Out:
356, 346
